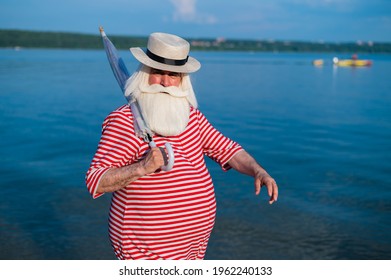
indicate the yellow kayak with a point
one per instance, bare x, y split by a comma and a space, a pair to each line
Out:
352, 62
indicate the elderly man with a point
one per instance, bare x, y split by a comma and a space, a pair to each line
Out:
158, 214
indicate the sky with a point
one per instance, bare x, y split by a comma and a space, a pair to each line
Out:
291, 20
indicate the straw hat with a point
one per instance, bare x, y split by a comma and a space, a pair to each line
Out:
167, 52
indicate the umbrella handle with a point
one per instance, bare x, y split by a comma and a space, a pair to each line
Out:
171, 158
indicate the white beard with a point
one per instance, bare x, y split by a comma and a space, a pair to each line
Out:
165, 115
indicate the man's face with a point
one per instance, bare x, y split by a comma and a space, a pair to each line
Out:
164, 103
164, 78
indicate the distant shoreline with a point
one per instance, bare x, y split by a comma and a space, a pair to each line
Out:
66, 40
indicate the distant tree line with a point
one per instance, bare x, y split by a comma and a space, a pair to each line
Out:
64, 40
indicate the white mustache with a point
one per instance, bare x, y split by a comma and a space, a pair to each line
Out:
171, 90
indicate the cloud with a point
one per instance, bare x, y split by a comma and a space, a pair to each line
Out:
186, 11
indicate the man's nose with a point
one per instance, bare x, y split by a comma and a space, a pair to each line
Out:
165, 80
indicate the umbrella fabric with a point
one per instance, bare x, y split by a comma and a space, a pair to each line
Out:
121, 74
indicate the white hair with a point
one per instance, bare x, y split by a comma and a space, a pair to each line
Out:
140, 79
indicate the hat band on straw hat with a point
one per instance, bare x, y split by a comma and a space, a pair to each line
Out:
175, 62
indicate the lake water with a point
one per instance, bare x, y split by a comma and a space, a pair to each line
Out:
323, 133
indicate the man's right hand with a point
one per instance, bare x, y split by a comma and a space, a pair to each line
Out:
153, 161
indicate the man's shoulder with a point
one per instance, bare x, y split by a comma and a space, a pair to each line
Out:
196, 113
121, 113
123, 110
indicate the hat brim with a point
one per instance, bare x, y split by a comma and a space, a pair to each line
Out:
192, 64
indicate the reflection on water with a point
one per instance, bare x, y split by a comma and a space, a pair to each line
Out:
323, 133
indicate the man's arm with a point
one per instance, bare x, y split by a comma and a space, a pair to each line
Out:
117, 178
246, 164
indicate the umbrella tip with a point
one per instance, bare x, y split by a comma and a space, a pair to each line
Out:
102, 32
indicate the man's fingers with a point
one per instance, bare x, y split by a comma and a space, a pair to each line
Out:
272, 189
257, 185
274, 193
165, 157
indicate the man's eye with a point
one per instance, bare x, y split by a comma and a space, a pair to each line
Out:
157, 72
161, 73
172, 74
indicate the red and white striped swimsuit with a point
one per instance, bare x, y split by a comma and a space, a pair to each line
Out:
169, 214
